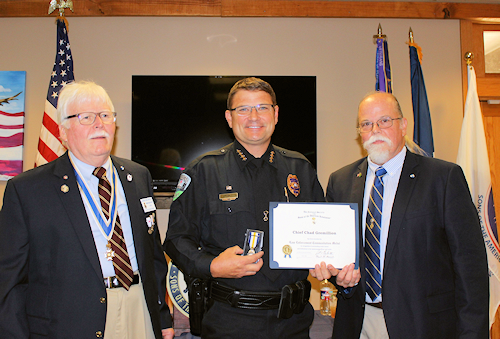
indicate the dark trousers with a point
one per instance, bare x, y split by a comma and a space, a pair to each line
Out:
224, 321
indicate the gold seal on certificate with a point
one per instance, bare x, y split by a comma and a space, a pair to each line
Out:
287, 249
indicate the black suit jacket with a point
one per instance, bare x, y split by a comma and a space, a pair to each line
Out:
435, 279
51, 283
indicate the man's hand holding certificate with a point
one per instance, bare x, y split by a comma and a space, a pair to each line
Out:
305, 234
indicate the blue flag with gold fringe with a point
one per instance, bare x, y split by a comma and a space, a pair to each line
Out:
422, 128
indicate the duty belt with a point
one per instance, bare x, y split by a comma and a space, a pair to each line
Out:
245, 299
292, 299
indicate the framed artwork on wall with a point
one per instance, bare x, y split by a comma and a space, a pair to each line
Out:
12, 90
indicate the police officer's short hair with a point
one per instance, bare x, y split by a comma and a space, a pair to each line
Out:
250, 84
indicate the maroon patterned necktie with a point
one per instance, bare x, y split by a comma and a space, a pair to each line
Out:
119, 255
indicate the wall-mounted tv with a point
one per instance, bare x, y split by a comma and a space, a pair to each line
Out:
177, 118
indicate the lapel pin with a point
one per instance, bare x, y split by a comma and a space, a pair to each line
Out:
65, 177
64, 188
151, 223
229, 188
412, 175
122, 168
359, 175
129, 177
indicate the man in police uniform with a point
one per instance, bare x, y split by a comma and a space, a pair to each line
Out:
219, 197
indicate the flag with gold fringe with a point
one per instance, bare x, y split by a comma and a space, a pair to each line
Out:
422, 127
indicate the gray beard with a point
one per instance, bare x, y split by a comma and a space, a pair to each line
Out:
379, 154
379, 157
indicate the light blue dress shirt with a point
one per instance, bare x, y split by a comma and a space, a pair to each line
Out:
99, 238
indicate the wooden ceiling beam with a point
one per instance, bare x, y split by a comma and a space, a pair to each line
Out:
98, 8
359, 9
257, 8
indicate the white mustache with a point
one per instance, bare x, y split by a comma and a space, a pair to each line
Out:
99, 134
375, 138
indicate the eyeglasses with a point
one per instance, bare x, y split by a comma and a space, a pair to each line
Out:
382, 123
247, 109
88, 118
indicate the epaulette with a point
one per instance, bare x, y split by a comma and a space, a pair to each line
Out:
290, 154
219, 151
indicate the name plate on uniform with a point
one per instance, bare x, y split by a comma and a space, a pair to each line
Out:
305, 234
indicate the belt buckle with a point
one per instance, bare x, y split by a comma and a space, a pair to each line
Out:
109, 282
235, 298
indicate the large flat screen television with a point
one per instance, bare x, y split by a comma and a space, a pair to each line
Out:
177, 118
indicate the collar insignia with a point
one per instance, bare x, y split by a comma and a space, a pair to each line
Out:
242, 156
271, 157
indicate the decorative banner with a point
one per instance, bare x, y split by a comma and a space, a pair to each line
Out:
12, 89
177, 289
473, 158
383, 81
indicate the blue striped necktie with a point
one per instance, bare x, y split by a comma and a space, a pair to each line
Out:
372, 236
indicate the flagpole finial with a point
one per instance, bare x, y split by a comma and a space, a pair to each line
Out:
468, 57
61, 6
410, 34
379, 34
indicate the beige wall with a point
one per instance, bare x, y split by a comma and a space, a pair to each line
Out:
339, 52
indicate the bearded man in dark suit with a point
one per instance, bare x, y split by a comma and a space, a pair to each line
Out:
426, 274
80, 253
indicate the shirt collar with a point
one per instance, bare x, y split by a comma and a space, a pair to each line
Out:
393, 166
87, 170
243, 157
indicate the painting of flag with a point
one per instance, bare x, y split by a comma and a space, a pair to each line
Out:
12, 89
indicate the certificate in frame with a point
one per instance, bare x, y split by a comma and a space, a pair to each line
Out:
305, 234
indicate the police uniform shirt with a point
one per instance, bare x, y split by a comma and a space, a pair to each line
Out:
202, 224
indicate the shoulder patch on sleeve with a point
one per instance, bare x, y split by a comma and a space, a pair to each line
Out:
182, 185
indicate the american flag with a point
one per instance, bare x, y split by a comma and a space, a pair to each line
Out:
49, 145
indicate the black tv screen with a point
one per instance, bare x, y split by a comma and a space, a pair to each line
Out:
177, 118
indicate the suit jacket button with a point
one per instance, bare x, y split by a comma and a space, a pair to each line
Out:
98, 334
102, 300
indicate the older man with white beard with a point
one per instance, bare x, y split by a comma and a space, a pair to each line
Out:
423, 264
